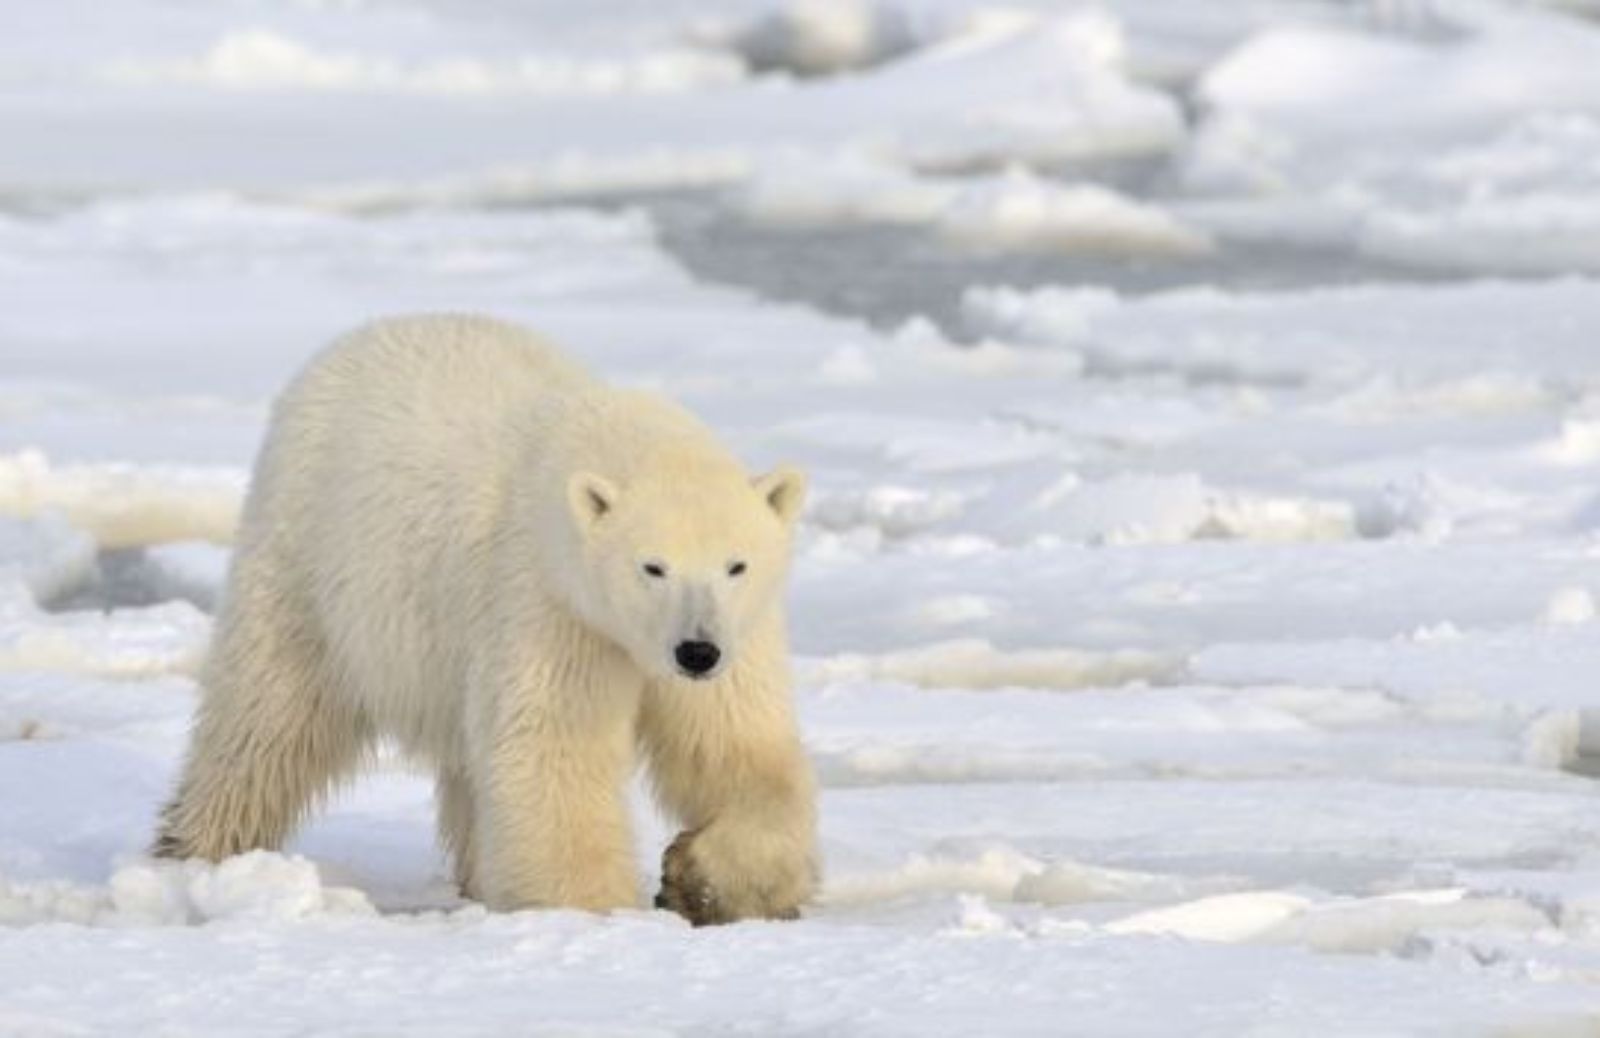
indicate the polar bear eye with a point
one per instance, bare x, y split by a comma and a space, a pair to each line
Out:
736, 569
655, 569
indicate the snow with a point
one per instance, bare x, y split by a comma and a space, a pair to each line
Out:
1046, 86
1491, 167
121, 505
1210, 654
260, 59
819, 37
1012, 210
256, 887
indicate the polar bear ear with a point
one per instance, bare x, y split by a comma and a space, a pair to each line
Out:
590, 497
784, 490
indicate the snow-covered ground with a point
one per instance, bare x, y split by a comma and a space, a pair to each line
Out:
1220, 660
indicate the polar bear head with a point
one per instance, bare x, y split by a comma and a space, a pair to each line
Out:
681, 565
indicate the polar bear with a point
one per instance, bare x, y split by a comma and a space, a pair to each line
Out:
458, 539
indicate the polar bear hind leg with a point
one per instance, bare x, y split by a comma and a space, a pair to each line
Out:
271, 735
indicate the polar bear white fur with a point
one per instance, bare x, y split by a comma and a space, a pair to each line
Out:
458, 539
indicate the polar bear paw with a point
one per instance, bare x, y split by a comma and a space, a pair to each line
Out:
688, 888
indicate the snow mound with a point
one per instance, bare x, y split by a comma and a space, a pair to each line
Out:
169, 638
989, 91
1073, 882
1339, 82
825, 37
43, 561
1536, 666
1347, 925
1345, 337
1169, 509
42, 558
1391, 922
125, 505
1540, 230
1223, 917
135, 578
973, 663
37, 704
994, 872
1022, 211
1570, 605
256, 887
1014, 210
1029, 499
566, 175
263, 59
1540, 673
800, 190
1030, 88
892, 510
1002, 873
1320, 132
192, 570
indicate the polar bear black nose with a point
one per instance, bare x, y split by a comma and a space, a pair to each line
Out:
696, 658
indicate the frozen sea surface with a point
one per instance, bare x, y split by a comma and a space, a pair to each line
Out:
889, 273
1196, 610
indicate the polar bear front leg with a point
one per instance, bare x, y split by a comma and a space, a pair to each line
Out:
552, 826
727, 761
